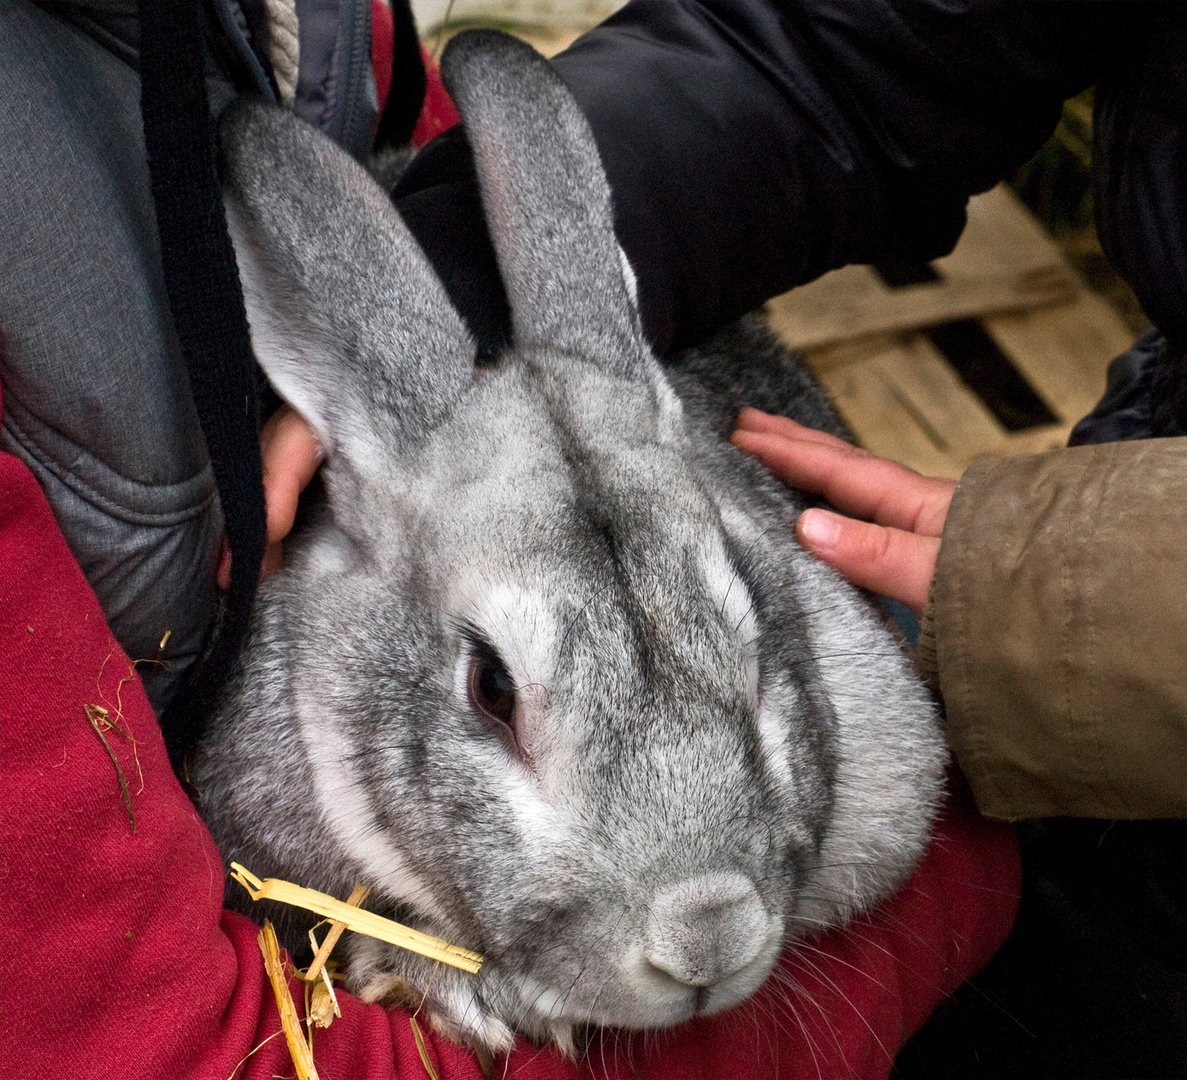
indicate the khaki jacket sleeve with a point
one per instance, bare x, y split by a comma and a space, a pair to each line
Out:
1059, 609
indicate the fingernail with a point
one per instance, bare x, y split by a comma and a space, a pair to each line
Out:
819, 528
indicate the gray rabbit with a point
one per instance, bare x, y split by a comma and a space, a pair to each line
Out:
548, 670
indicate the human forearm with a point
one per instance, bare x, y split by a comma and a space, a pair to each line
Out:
1060, 617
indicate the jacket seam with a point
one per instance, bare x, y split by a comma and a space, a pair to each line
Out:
28, 442
976, 756
1095, 714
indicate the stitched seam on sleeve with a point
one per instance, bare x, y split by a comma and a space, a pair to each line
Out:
975, 739
1079, 725
975, 730
1094, 713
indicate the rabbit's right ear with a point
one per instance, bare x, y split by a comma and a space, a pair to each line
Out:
547, 202
348, 320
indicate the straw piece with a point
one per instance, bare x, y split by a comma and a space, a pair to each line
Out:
101, 721
361, 922
289, 1021
358, 894
323, 1006
422, 1049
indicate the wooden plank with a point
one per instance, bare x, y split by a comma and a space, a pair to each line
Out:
871, 408
898, 393
431, 15
1001, 237
549, 40
830, 358
1064, 351
903, 401
938, 396
1036, 440
851, 303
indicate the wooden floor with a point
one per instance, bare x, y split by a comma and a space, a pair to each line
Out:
999, 353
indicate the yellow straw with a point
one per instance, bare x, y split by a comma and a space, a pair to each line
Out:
299, 1049
361, 922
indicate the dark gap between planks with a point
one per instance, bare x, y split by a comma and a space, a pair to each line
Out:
975, 357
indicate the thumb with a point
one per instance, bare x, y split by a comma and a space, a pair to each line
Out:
889, 561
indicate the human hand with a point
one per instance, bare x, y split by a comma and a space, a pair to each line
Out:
894, 550
291, 453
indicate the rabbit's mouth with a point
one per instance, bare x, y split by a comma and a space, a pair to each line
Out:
652, 986
645, 986
695, 947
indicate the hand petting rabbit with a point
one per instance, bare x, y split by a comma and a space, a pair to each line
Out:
547, 670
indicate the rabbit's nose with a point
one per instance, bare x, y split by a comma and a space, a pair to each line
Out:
705, 929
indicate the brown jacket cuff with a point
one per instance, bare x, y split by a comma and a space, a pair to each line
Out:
1060, 623
926, 661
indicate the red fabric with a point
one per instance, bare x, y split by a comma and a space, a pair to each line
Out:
383, 38
439, 111
120, 962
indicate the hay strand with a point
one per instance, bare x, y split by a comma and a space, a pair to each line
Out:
323, 1002
321, 954
255, 1049
422, 1049
101, 722
356, 919
299, 1049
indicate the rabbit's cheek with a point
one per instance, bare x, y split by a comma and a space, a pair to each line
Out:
784, 700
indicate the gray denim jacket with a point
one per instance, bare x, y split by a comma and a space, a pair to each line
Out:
96, 399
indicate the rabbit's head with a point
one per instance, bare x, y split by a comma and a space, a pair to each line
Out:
549, 672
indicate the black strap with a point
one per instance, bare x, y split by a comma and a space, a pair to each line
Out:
406, 97
207, 304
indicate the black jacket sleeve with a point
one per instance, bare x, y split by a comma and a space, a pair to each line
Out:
752, 145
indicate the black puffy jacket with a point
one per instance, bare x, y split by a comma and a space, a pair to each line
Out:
753, 145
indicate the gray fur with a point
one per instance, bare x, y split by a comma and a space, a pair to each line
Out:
718, 745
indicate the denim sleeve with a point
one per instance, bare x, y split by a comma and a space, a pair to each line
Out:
96, 400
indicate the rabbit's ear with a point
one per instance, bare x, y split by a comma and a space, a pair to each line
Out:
547, 201
348, 320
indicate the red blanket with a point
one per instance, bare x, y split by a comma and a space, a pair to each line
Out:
438, 111
120, 961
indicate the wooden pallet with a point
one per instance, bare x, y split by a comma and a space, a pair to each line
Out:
874, 347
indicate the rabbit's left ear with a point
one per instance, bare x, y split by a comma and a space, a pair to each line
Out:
547, 202
348, 319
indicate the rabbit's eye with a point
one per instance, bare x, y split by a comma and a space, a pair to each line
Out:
491, 690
